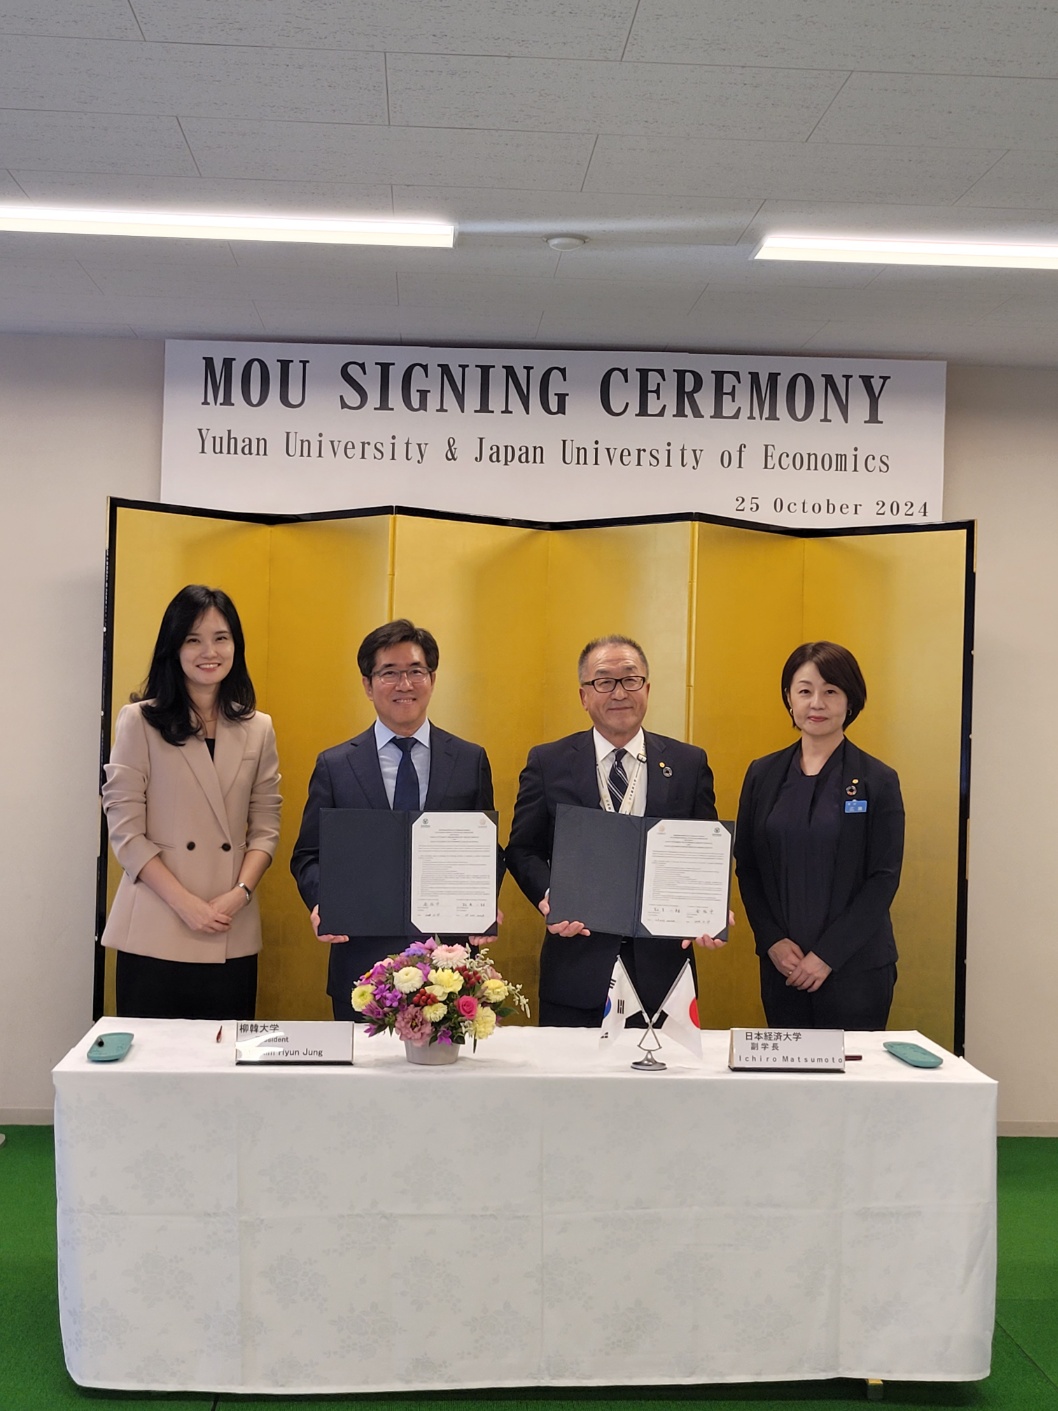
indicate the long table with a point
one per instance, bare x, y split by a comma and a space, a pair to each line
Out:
537, 1215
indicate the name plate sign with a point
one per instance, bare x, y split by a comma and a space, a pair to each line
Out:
797, 1050
259, 1041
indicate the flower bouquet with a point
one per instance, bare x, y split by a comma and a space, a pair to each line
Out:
436, 994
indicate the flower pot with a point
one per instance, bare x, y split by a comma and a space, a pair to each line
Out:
432, 1054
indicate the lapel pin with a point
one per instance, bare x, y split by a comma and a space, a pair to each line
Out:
665, 769
851, 790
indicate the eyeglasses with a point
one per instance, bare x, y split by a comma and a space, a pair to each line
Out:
606, 684
390, 676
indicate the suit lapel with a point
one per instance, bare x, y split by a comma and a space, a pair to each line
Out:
228, 752
196, 755
769, 792
442, 762
584, 771
851, 838
362, 759
658, 782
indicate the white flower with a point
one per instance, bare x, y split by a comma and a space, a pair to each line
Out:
408, 980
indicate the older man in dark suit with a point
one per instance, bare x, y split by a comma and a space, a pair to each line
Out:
619, 766
402, 762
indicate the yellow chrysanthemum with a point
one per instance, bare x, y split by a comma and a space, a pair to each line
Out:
484, 1023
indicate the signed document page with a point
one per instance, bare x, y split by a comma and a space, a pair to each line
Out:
453, 873
686, 878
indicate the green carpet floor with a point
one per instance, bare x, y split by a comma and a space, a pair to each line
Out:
1024, 1365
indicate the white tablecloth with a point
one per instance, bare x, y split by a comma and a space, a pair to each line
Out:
538, 1214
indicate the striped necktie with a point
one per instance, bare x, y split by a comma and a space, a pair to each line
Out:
617, 783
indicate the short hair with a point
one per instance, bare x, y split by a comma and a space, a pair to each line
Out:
391, 634
167, 706
615, 640
837, 666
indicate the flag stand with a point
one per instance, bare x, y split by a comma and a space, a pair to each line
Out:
649, 1064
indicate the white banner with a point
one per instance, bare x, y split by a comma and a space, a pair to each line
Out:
550, 435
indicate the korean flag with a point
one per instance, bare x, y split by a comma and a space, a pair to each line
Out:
622, 1003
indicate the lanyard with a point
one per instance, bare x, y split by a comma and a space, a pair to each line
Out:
630, 792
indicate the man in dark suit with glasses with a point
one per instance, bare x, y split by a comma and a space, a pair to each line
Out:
618, 766
402, 762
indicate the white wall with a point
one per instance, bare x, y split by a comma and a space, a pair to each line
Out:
1002, 469
81, 419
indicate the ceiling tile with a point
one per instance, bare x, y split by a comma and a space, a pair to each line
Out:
89, 19
331, 322
10, 190
237, 282
943, 36
634, 99
123, 252
1023, 180
316, 151
94, 142
54, 279
31, 319
786, 170
947, 111
624, 262
432, 291
595, 29
483, 326
616, 328
213, 81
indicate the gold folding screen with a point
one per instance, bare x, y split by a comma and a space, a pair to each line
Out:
717, 608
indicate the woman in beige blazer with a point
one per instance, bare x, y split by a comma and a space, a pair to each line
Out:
192, 805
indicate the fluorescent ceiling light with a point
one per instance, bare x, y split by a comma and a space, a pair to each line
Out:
197, 225
840, 250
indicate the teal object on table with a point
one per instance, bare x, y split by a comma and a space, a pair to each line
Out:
915, 1054
108, 1048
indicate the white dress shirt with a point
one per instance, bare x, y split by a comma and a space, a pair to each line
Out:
389, 757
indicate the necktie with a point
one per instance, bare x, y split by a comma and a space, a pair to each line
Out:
617, 783
406, 789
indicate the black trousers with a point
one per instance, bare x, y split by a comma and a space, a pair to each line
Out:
858, 1001
552, 1015
173, 989
343, 1009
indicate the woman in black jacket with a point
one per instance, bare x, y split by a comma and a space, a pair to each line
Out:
818, 849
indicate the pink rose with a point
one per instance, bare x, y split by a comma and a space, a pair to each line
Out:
467, 1006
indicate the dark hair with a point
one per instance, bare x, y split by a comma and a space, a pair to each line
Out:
167, 705
837, 666
616, 640
391, 634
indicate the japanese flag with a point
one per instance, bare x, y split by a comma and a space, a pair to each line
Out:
681, 1013
622, 1003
